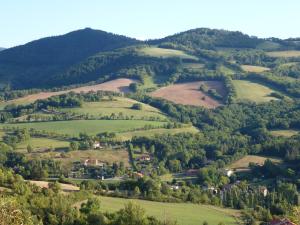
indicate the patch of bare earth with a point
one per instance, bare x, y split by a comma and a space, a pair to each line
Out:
189, 93
64, 187
117, 85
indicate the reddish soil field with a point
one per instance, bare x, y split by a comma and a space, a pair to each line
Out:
189, 93
117, 85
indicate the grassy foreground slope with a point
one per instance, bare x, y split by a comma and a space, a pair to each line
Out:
247, 90
91, 127
183, 213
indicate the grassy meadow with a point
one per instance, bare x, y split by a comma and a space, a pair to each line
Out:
117, 106
165, 53
284, 133
43, 143
243, 163
91, 127
148, 133
284, 54
248, 90
183, 213
254, 69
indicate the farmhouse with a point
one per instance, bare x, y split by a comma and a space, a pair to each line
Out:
96, 145
263, 190
228, 172
144, 158
94, 162
137, 175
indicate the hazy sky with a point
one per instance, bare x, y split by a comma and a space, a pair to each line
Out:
25, 20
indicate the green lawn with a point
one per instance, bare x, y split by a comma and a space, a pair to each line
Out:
284, 133
247, 90
148, 133
183, 213
117, 106
165, 53
91, 127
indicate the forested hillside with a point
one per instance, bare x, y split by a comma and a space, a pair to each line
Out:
28, 65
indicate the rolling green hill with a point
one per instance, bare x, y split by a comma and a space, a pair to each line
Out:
27, 65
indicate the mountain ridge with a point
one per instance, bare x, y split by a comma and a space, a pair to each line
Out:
43, 62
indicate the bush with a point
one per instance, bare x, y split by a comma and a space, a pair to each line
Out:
137, 106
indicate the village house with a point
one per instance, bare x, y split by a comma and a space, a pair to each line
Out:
281, 222
211, 189
137, 175
96, 145
263, 190
144, 158
94, 162
228, 172
174, 187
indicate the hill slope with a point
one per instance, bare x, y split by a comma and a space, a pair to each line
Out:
45, 57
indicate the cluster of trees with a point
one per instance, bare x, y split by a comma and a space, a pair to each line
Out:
204, 38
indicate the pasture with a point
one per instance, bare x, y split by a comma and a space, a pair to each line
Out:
148, 133
284, 133
284, 54
254, 69
91, 127
39, 144
189, 93
165, 53
193, 66
183, 213
248, 90
243, 163
118, 106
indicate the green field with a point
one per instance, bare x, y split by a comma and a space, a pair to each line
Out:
91, 127
165, 53
193, 66
42, 143
284, 133
284, 54
254, 69
118, 106
183, 213
243, 163
247, 90
148, 133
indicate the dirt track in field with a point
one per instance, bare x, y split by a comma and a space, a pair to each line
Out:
117, 85
189, 93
